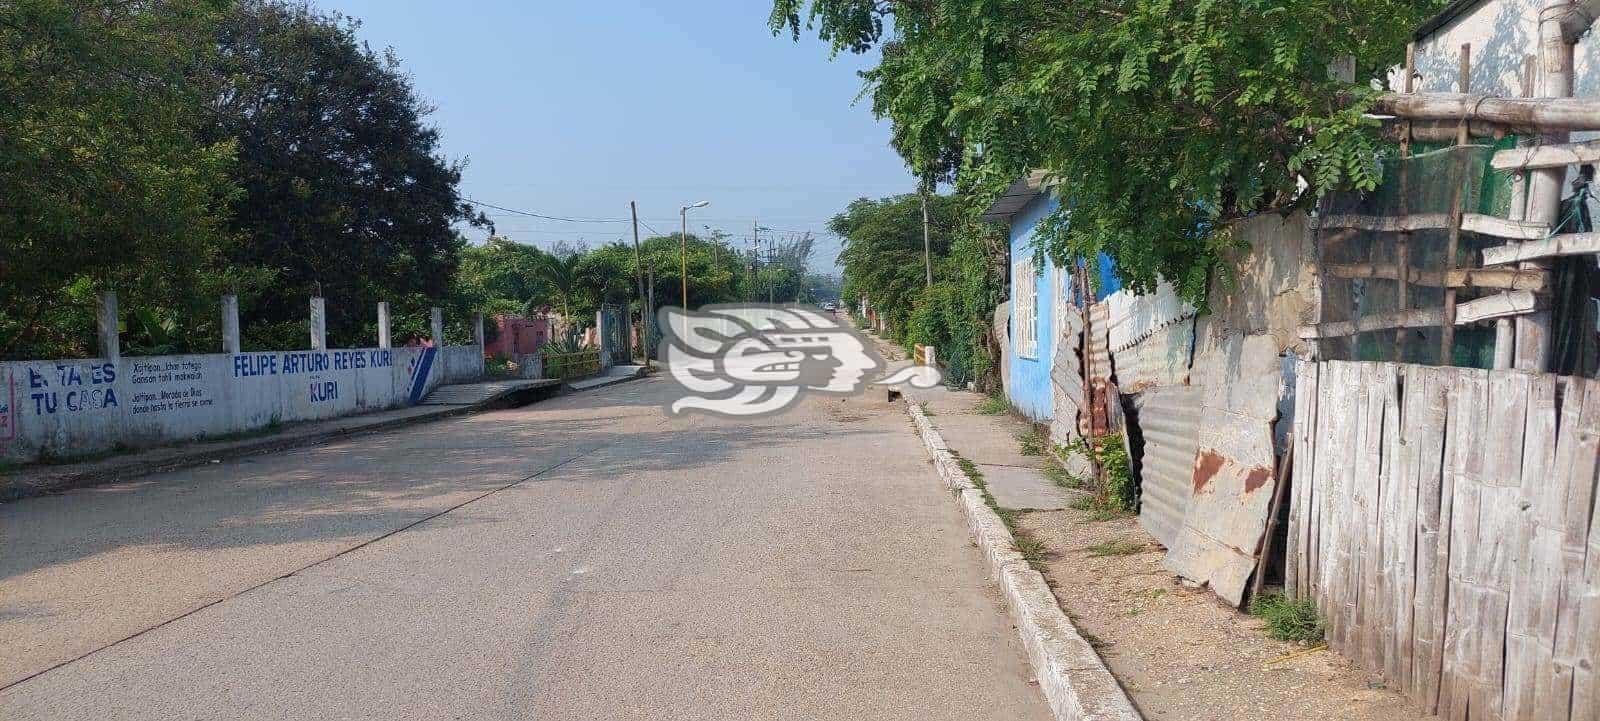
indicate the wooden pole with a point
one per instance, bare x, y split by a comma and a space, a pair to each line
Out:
1447, 333
1402, 250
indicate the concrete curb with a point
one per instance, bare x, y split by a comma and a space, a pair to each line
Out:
1075, 680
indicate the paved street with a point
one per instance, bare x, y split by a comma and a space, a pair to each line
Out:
582, 558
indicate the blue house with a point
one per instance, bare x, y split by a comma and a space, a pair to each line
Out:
1039, 296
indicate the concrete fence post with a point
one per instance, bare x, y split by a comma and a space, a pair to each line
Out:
319, 324
384, 340
230, 324
477, 332
436, 323
602, 336
106, 319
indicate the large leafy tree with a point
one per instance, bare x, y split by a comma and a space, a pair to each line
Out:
344, 189
1164, 120
882, 256
105, 186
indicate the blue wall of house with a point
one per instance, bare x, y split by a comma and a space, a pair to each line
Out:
1029, 389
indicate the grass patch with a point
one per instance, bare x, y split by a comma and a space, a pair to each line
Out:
1292, 621
1033, 442
1032, 549
923, 406
1118, 547
993, 406
1061, 476
1096, 510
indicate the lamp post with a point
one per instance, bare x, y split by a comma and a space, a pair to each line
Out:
683, 248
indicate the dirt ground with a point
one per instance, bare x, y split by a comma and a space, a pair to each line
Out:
1181, 654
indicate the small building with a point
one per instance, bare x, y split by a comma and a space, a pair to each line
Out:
517, 336
1039, 296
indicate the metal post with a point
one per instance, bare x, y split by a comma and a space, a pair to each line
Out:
106, 320
683, 254
384, 339
230, 324
638, 270
319, 324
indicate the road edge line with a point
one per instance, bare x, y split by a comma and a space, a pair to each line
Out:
1076, 683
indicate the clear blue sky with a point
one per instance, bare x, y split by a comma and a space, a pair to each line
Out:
573, 109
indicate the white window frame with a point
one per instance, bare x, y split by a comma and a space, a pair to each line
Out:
1025, 308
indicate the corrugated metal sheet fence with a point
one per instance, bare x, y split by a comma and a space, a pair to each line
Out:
1443, 520
1169, 420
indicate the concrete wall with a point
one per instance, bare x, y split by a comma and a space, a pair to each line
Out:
72, 407
1502, 33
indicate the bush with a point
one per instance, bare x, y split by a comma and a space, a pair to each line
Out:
1287, 620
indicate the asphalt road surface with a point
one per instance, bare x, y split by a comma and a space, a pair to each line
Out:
583, 558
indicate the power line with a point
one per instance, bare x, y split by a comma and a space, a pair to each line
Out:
546, 217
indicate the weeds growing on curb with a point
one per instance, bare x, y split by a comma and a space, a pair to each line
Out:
993, 406
923, 406
1292, 621
1118, 547
1033, 551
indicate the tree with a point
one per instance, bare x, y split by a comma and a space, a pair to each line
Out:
105, 185
344, 191
1165, 121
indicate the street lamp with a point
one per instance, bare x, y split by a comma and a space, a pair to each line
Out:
683, 247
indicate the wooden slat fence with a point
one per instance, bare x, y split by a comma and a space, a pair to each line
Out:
1443, 520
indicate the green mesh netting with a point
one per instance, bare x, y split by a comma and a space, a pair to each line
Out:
1423, 184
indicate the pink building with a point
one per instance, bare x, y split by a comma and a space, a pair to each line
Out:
518, 336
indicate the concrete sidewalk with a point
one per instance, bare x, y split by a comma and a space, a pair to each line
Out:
991, 442
444, 402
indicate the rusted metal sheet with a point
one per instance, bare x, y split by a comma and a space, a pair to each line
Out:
1169, 420
1234, 468
1100, 368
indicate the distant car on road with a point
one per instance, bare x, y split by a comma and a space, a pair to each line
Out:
830, 305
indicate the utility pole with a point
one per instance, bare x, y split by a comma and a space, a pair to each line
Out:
755, 259
927, 252
638, 271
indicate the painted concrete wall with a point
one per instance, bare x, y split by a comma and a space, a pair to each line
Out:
1502, 32
1028, 382
72, 407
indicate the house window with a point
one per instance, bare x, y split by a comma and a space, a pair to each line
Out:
1025, 289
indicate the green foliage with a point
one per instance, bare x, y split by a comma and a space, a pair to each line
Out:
344, 190
106, 186
1116, 490
883, 261
1291, 621
1165, 120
